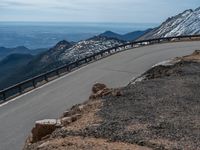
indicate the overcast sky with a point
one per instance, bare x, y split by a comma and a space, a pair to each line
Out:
137, 11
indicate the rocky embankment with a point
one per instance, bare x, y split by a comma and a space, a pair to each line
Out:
160, 110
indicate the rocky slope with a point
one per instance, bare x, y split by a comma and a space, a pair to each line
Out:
160, 112
185, 23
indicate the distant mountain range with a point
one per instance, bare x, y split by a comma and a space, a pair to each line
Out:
18, 50
185, 23
125, 37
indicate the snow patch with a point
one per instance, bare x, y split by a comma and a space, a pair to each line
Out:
138, 79
48, 121
186, 23
164, 63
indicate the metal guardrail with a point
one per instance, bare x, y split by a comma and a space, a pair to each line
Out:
30, 84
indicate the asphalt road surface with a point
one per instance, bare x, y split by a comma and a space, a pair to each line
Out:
49, 101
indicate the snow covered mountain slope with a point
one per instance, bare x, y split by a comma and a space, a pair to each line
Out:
89, 47
186, 23
66, 52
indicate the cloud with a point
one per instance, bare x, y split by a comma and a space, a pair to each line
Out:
8, 3
64, 8
94, 10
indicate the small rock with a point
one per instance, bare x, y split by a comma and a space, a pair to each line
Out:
77, 109
43, 145
105, 92
196, 52
66, 120
117, 93
75, 117
81, 107
101, 93
92, 96
66, 114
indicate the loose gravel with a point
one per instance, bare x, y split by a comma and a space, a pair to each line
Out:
161, 112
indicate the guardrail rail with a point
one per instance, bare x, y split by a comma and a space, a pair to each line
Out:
30, 84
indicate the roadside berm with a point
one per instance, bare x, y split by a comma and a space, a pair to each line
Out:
161, 111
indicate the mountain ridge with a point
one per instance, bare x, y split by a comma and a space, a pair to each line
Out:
185, 23
131, 36
4, 51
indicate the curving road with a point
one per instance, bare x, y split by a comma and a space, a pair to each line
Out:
18, 116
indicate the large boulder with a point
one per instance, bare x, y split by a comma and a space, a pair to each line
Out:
43, 128
99, 90
98, 87
196, 52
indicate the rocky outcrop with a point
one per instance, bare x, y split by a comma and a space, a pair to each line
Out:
194, 57
43, 128
98, 87
99, 90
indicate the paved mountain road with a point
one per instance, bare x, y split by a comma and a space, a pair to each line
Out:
49, 101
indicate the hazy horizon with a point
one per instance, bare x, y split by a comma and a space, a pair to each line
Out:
127, 11
44, 35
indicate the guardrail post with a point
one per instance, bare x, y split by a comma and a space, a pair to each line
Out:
4, 96
77, 64
86, 60
20, 89
46, 78
34, 84
132, 45
57, 73
90, 59
67, 67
